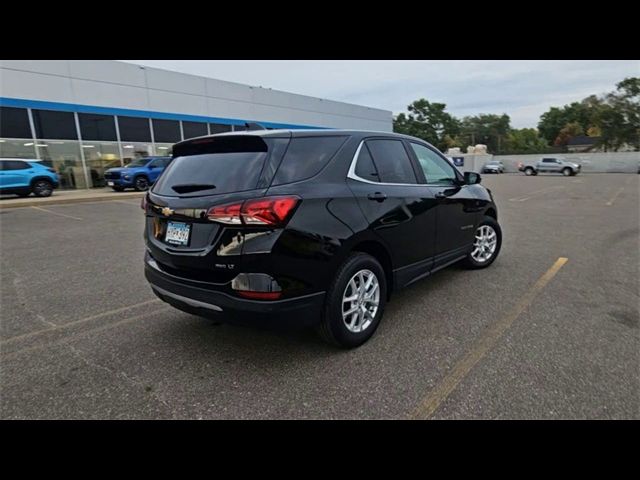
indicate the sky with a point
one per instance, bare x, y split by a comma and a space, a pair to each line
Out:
523, 89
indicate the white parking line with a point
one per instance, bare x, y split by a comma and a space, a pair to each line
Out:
615, 195
56, 213
527, 196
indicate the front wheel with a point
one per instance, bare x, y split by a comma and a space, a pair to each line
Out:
528, 171
355, 302
566, 172
141, 184
486, 244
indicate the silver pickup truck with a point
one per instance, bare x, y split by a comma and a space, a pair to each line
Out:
552, 165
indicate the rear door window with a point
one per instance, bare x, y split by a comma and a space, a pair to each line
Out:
365, 168
213, 166
392, 161
306, 156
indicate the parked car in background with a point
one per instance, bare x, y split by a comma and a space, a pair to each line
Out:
139, 174
552, 165
24, 177
494, 166
310, 227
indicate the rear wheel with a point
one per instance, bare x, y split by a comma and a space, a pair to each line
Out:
141, 184
486, 244
528, 171
566, 171
355, 302
42, 188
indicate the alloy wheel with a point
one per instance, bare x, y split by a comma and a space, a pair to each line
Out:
360, 301
485, 243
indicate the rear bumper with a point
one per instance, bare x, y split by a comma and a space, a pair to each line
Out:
291, 313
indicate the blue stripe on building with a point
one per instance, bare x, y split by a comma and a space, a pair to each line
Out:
72, 107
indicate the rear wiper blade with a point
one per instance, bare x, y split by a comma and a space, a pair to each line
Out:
192, 187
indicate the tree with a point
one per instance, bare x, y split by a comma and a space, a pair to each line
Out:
428, 121
619, 122
524, 140
584, 113
488, 129
567, 132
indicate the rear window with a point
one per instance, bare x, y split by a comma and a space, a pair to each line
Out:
213, 166
305, 157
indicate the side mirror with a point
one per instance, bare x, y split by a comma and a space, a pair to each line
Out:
471, 178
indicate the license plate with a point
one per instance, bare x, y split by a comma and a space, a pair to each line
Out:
110, 184
177, 233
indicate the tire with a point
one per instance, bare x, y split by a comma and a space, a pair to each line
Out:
333, 327
141, 183
528, 171
474, 259
118, 189
42, 188
566, 172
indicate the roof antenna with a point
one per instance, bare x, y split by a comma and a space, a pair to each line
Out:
254, 126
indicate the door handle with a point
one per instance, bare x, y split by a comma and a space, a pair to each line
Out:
377, 196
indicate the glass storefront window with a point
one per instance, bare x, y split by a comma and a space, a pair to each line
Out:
166, 130
100, 156
194, 129
16, 148
14, 123
219, 128
54, 124
134, 150
163, 149
64, 157
134, 129
97, 127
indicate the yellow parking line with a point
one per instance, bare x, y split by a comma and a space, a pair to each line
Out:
615, 195
485, 343
55, 213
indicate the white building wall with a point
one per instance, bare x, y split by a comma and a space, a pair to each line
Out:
106, 83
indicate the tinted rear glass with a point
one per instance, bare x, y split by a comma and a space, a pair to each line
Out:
214, 166
305, 157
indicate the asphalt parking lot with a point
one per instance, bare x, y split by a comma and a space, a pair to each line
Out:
82, 336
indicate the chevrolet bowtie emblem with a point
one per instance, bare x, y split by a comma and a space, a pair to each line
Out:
167, 212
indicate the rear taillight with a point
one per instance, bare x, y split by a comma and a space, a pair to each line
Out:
226, 213
269, 211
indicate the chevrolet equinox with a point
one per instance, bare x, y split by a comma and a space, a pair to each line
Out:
309, 227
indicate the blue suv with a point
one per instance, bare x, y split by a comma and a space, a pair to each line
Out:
139, 174
23, 177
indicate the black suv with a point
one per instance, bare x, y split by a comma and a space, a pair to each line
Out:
309, 227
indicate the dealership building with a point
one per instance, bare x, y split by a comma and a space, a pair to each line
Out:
82, 117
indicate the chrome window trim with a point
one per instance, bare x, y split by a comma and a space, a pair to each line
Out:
352, 173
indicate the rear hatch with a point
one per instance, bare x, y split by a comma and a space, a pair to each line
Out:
194, 227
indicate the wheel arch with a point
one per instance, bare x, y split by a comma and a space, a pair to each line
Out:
40, 177
491, 212
378, 251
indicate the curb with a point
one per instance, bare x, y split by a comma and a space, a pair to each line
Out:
62, 201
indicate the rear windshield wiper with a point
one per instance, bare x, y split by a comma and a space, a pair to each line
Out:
192, 187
